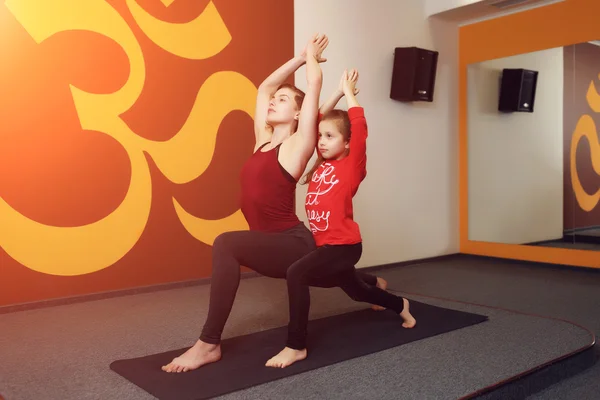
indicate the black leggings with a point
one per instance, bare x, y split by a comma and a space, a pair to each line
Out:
329, 266
269, 254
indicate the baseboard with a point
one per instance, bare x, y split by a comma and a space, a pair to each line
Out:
168, 286
534, 263
61, 301
561, 239
417, 261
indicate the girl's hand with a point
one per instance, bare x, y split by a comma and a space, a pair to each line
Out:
348, 82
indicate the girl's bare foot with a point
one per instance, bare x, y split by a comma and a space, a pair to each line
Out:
409, 320
286, 357
381, 284
198, 355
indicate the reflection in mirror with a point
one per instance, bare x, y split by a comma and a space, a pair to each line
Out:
582, 166
533, 152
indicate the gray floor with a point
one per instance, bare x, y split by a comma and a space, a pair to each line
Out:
448, 366
62, 352
590, 232
561, 293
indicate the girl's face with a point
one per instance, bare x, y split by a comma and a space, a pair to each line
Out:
332, 143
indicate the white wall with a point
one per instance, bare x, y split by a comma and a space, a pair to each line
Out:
438, 6
516, 159
407, 207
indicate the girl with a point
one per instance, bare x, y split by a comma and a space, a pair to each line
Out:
285, 125
333, 182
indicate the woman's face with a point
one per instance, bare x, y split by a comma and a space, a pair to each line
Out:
282, 108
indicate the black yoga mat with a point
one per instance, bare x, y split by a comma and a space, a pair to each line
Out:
331, 340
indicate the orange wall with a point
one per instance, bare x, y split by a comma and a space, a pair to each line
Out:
123, 128
559, 24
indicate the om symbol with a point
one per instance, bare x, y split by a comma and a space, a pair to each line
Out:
586, 127
89, 248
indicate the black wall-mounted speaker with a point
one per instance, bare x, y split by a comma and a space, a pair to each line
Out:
517, 90
413, 77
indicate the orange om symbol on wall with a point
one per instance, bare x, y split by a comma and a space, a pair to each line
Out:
586, 128
83, 248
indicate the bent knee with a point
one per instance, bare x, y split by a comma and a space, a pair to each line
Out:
295, 276
224, 240
227, 245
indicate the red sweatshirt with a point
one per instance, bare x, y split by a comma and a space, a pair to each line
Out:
334, 184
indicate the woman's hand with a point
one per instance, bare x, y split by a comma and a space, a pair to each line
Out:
315, 47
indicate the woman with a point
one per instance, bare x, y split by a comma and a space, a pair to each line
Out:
285, 127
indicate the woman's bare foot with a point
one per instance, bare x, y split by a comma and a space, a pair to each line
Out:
198, 355
286, 357
381, 284
409, 320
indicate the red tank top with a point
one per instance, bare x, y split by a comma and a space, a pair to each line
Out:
268, 193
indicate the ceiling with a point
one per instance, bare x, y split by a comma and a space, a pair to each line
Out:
488, 9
